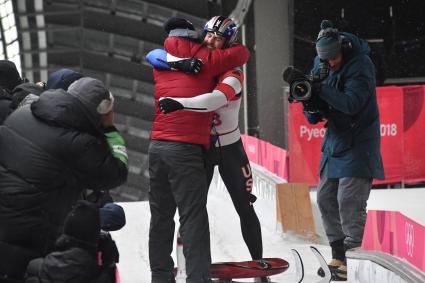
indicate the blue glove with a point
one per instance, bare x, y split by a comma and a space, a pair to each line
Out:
158, 59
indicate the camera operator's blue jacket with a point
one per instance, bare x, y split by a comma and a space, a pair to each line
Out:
351, 147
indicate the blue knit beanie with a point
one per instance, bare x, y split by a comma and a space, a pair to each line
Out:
328, 43
62, 78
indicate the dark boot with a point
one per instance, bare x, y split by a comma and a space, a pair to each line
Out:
340, 274
163, 277
338, 257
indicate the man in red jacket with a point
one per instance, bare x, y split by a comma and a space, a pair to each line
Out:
176, 153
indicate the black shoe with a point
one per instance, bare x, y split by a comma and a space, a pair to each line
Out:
163, 277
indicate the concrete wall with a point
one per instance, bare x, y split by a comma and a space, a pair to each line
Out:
273, 48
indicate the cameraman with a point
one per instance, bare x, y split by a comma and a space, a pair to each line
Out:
351, 155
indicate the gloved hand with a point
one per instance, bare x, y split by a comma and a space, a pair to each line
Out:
189, 65
167, 105
252, 198
290, 98
316, 87
313, 118
109, 250
100, 198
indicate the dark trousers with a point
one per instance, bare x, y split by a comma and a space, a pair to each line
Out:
14, 261
177, 180
235, 171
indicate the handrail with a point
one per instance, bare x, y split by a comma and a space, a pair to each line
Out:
240, 11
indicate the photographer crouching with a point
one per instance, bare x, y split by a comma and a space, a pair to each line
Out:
341, 90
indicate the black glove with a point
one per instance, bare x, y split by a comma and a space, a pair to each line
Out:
252, 198
316, 87
109, 250
290, 98
190, 65
100, 198
167, 105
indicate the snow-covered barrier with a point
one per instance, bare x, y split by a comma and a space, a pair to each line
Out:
369, 266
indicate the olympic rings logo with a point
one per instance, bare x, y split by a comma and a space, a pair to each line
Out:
410, 240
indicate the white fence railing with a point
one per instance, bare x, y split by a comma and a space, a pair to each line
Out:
264, 182
264, 188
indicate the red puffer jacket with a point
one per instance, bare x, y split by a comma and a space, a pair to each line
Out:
188, 126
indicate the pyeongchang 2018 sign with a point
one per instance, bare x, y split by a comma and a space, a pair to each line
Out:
402, 117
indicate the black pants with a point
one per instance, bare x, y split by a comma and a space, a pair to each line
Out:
177, 180
14, 261
235, 171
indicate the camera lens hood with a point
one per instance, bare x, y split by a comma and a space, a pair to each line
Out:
301, 90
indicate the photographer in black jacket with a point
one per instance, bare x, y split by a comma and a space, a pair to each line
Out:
49, 152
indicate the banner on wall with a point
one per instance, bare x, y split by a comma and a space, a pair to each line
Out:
414, 134
305, 140
402, 118
267, 155
390, 104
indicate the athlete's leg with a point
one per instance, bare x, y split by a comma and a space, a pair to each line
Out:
211, 160
236, 173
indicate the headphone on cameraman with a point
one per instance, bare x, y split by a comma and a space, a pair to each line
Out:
346, 46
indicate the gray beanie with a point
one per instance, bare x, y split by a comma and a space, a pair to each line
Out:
94, 96
328, 43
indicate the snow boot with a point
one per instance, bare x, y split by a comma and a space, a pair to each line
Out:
338, 257
340, 274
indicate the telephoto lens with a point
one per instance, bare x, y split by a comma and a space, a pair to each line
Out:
301, 90
299, 84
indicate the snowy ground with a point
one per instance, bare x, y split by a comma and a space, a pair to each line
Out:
226, 239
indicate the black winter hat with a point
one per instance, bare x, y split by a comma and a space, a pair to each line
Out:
177, 23
9, 75
83, 223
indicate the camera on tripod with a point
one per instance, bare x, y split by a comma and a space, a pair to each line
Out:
302, 87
